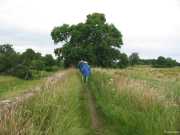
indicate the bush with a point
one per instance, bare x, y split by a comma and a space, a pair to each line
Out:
162, 62
38, 64
22, 72
134, 59
124, 61
39, 74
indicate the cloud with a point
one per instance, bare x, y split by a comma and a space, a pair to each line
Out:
150, 27
23, 39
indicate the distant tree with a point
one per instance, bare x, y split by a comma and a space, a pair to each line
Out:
8, 58
134, 58
95, 41
178, 64
146, 61
123, 61
171, 62
165, 62
161, 61
21, 71
22, 65
49, 60
37, 56
28, 56
38, 64
6, 49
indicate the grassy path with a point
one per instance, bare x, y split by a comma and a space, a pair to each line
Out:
62, 105
109, 104
96, 122
59, 108
99, 124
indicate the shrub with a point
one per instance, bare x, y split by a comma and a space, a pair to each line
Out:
22, 72
38, 64
162, 62
134, 59
123, 62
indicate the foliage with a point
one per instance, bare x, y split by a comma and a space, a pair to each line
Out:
20, 65
8, 58
38, 64
95, 41
6, 49
134, 58
49, 62
165, 62
146, 61
28, 56
22, 72
123, 61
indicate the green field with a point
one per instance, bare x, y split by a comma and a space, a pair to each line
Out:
132, 101
12, 86
138, 101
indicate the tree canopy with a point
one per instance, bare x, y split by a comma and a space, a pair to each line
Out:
22, 65
165, 62
134, 58
94, 40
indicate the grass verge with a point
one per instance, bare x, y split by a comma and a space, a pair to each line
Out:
60, 110
126, 111
11, 86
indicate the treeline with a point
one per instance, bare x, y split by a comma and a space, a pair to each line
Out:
23, 65
160, 62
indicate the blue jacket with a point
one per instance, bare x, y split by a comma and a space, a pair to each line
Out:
85, 69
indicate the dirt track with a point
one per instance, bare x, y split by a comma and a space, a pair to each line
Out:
8, 105
96, 122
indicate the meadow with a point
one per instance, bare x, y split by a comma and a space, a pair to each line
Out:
138, 100
132, 101
12, 86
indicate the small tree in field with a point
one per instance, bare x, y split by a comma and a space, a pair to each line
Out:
134, 58
95, 41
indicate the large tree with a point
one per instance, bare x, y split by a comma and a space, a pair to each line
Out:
95, 41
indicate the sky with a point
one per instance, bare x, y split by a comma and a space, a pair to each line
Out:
149, 27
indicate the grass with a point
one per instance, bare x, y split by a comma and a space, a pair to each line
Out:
136, 101
132, 101
12, 86
60, 110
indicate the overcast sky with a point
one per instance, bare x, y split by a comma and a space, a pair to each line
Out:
149, 27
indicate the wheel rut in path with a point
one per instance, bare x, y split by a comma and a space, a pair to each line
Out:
96, 121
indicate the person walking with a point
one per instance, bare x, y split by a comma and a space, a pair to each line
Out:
85, 70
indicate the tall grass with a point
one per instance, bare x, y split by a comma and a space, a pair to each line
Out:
12, 86
60, 110
132, 106
134, 101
